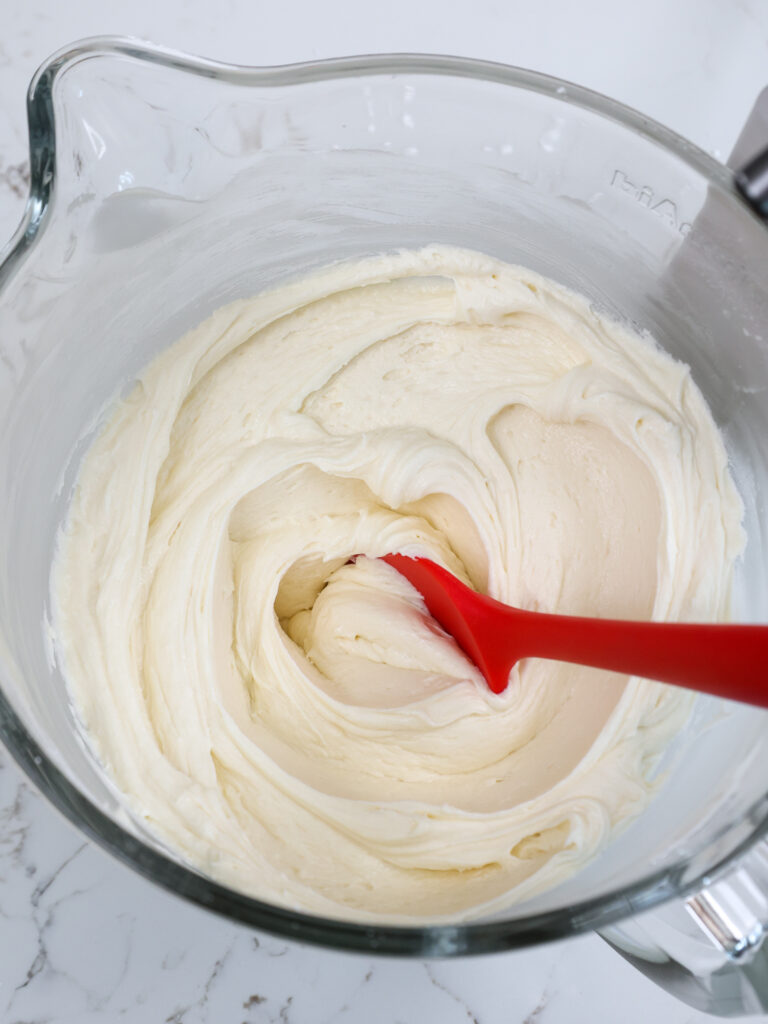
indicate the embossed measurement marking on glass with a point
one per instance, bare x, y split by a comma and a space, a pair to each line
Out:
665, 209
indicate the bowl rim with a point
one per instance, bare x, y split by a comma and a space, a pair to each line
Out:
430, 940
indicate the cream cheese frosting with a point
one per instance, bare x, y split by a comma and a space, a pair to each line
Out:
296, 725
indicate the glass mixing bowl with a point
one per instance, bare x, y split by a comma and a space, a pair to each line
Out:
164, 186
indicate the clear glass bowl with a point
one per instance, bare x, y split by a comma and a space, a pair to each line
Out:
164, 186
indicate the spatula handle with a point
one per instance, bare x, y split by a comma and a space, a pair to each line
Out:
728, 661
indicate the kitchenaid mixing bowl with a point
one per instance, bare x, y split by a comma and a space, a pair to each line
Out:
164, 186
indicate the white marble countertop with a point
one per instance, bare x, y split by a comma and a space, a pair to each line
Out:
82, 939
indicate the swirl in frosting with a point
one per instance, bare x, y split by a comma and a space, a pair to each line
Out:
297, 726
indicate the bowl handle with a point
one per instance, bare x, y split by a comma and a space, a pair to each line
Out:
749, 159
708, 950
752, 182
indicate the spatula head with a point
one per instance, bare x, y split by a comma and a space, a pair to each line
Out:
479, 625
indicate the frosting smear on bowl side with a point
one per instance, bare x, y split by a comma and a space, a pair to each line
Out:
297, 726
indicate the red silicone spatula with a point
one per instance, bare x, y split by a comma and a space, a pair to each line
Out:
724, 660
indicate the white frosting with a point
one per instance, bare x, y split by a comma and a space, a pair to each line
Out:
298, 726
